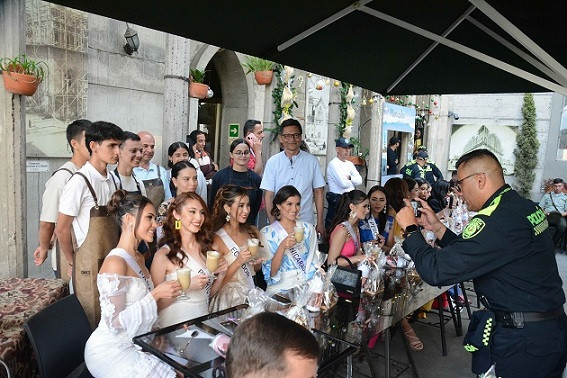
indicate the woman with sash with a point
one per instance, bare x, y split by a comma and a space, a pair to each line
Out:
377, 225
186, 240
128, 298
344, 239
289, 263
230, 214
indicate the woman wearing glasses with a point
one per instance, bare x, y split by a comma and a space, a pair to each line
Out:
239, 174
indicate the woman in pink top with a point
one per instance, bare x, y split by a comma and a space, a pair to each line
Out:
344, 240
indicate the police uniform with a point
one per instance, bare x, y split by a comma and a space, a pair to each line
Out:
508, 252
429, 172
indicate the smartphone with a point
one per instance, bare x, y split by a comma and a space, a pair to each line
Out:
416, 206
251, 138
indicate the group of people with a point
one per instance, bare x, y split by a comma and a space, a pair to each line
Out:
191, 233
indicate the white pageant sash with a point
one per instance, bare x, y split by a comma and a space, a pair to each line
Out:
294, 250
235, 251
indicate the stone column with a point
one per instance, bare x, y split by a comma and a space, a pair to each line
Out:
13, 244
375, 155
176, 91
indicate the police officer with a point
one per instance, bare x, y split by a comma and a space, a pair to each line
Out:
422, 168
508, 252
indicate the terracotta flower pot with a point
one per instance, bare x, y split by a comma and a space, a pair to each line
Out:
20, 84
198, 90
264, 77
357, 160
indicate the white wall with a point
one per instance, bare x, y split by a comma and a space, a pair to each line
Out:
505, 110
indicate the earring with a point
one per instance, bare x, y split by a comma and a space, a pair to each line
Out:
352, 214
227, 218
130, 227
178, 224
384, 211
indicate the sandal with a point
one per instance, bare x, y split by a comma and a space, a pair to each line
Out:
414, 342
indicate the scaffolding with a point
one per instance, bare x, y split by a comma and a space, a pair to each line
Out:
58, 36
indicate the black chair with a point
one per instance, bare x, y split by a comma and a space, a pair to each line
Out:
58, 335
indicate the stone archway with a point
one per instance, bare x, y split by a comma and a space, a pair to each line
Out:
237, 94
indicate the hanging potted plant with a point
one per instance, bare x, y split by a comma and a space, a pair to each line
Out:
22, 75
197, 88
262, 68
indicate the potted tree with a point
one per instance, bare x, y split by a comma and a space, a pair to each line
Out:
197, 88
262, 68
22, 75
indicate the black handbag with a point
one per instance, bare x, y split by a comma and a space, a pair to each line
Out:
347, 280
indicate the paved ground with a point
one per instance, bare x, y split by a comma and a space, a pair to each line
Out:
430, 361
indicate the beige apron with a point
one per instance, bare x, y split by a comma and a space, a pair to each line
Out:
102, 236
155, 189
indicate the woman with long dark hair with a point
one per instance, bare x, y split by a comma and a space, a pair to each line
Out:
239, 174
177, 152
344, 239
230, 215
396, 190
184, 180
186, 239
373, 228
438, 200
289, 243
128, 298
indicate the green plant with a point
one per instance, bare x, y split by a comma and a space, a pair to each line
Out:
255, 64
343, 109
527, 148
357, 150
197, 76
24, 65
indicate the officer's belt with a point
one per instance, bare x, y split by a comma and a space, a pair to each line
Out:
517, 319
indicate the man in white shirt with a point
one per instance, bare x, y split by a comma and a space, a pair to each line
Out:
295, 167
53, 189
342, 177
154, 177
103, 141
129, 158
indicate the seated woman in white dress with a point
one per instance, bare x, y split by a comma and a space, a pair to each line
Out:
127, 297
230, 213
186, 239
289, 262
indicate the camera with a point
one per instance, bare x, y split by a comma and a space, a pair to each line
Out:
416, 206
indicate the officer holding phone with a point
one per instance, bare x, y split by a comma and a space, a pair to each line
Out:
507, 250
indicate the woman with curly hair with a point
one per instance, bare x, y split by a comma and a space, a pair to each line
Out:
344, 239
186, 239
289, 259
230, 214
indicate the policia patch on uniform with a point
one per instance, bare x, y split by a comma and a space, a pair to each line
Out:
475, 226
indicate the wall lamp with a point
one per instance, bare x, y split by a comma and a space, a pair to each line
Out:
132, 40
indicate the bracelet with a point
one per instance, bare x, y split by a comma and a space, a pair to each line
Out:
71, 265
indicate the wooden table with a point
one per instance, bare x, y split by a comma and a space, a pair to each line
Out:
21, 298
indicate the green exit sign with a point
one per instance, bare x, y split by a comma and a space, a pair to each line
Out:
233, 130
